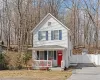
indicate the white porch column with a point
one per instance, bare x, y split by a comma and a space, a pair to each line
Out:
34, 55
47, 54
63, 58
47, 57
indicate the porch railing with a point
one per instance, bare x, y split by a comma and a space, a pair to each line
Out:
42, 63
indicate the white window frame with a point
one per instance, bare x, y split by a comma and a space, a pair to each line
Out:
53, 55
42, 53
70, 52
49, 23
43, 35
56, 37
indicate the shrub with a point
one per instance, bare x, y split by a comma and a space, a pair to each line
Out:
27, 57
3, 62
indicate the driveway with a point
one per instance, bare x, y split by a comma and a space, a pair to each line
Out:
86, 73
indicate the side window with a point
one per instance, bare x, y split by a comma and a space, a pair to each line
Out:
70, 53
43, 35
70, 38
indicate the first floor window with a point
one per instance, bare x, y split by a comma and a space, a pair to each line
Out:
37, 55
45, 55
52, 55
42, 55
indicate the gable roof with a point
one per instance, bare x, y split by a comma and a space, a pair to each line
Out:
53, 18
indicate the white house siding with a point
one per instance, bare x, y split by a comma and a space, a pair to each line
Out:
54, 26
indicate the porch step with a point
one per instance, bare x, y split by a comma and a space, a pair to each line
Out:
73, 64
56, 68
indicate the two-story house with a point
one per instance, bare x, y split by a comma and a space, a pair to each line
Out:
51, 43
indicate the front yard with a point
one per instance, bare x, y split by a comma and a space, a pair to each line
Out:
35, 74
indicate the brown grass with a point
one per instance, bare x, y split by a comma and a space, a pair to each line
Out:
36, 74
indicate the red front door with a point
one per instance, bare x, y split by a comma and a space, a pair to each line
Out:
59, 57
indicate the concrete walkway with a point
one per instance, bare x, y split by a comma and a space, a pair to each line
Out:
86, 73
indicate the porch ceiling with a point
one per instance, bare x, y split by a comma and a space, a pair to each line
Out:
48, 47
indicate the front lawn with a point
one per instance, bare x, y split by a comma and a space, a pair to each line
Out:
36, 74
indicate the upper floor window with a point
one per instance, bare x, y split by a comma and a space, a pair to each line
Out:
49, 23
56, 35
43, 35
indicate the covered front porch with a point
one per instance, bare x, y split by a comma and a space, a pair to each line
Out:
48, 56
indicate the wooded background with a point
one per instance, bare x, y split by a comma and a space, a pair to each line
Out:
19, 17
